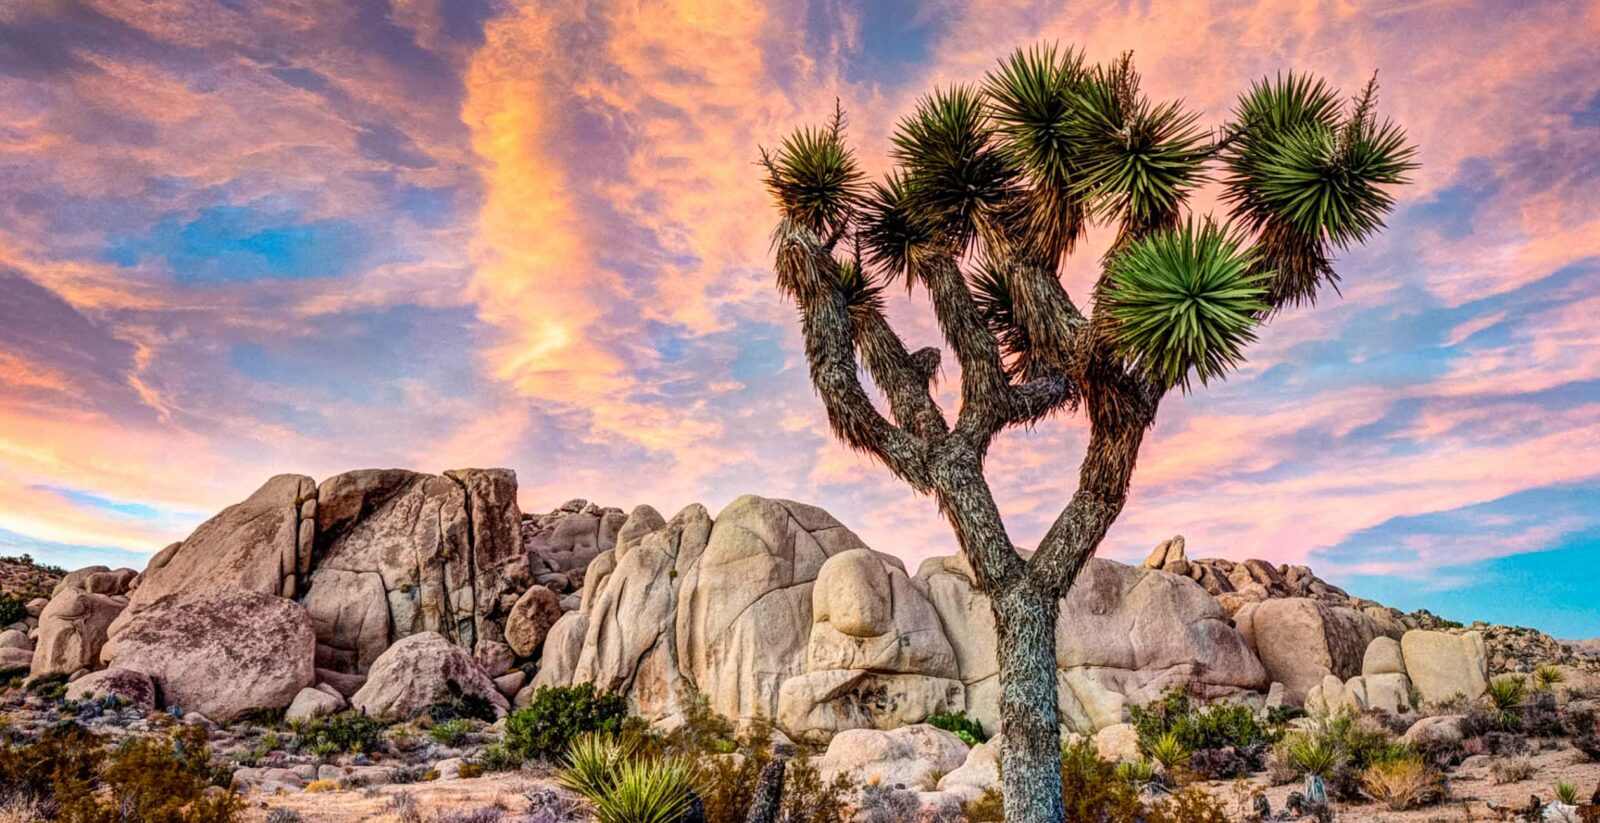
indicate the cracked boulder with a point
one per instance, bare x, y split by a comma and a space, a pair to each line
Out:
400, 552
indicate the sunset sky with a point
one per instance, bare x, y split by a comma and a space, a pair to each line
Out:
241, 238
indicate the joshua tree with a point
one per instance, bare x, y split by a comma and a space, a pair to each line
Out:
993, 186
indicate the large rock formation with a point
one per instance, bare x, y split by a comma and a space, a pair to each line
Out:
398, 589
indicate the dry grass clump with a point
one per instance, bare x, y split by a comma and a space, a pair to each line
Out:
1403, 784
1503, 770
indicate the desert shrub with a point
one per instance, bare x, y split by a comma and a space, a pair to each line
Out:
12, 609
1339, 750
403, 808
1540, 715
481, 814
154, 780
807, 798
1137, 773
317, 786
1204, 734
59, 770
1567, 792
1503, 770
1479, 721
882, 803
1188, 805
451, 732
558, 714
959, 724
1219, 764
1168, 749
404, 775
1584, 729
495, 757
1402, 784
1091, 789
989, 807
284, 816
333, 734
469, 770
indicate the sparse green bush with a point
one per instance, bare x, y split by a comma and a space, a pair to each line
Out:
12, 609
495, 757
1091, 788
1203, 730
451, 732
558, 714
1504, 770
959, 724
334, 734
1504, 696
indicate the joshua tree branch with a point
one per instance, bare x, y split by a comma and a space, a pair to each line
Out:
905, 378
804, 270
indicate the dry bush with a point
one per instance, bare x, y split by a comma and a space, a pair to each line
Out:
1503, 770
1403, 784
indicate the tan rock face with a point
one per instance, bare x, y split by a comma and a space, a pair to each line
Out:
1443, 665
744, 608
1125, 634
1301, 640
815, 706
404, 552
906, 756
313, 703
530, 620
221, 652
72, 631
252, 545
417, 672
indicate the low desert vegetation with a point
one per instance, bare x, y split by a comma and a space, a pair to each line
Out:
72, 775
558, 715
959, 724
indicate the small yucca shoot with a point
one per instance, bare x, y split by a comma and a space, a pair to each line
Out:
1168, 750
1546, 677
1567, 792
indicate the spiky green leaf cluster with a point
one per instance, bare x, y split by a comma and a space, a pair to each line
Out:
1184, 301
1033, 101
890, 234
815, 178
1138, 159
954, 175
1307, 171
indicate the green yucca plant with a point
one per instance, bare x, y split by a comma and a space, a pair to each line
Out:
1567, 792
991, 188
648, 790
1168, 750
592, 763
1314, 754
1547, 677
1137, 773
1505, 695
1184, 300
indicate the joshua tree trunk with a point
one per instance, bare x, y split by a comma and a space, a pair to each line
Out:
1030, 760
993, 188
